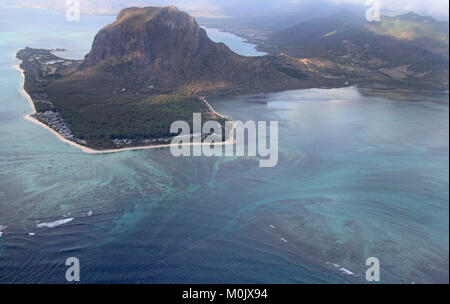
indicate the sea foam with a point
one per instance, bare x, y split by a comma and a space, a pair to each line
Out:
346, 271
341, 269
55, 223
1, 229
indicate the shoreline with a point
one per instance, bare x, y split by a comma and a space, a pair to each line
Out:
203, 99
93, 151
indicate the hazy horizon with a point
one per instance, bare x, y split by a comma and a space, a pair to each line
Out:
231, 8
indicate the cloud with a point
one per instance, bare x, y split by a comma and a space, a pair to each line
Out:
435, 8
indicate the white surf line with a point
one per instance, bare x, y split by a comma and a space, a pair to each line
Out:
85, 149
54, 223
341, 269
346, 271
1, 229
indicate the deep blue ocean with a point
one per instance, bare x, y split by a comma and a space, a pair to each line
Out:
357, 177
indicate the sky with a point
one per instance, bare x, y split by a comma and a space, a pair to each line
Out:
434, 8
222, 8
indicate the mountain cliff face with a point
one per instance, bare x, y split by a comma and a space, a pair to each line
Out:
146, 35
164, 47
156, 44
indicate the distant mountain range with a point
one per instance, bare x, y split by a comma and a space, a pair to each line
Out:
424, 32
403, 48
268, 16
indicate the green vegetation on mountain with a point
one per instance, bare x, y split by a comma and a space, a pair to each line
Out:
424, 32
407, 51
412, 26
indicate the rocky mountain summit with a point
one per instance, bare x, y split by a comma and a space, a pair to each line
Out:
166, 48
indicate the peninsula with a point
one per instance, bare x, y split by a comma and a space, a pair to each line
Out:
154, 66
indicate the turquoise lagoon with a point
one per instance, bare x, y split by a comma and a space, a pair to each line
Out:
357, 177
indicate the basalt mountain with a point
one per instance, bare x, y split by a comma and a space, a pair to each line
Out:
166, 48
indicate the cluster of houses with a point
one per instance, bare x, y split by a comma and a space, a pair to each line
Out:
120, 143
55, 121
